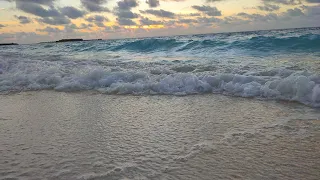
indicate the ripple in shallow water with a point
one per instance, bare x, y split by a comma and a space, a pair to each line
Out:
92, 136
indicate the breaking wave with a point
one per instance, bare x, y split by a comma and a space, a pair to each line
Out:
279, 84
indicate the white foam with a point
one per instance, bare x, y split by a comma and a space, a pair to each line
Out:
281, 84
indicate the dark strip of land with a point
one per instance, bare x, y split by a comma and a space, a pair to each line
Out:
69, 40
74, 40
8, 44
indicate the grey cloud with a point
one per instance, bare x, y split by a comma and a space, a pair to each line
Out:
46, 11
21, 37
313, 10
42, 2
23, 19
313, 1
147, 21
153, 3
208, 10
210, 20
73, 27
212, 1
187, 21
100, 24
127, 4
234, 21
49, 29
54, 20
94, 5
85, 26
1, 26
174, 0
112, 29
194, 14
37, 9
159, 13
188, 15
126, 14
98, 20
294, 12
82, 26
125, 22
285, 2
269, 7
72, 12
259, 17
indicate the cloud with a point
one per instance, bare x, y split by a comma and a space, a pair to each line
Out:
313, 10
187, 21
98, 20
147, 21
49, 29
41, 2
259, 17
269, 7
37, 9
126, 22
313, 1
189, 15
153, 3
294, 12
112, 29
23, 19
127, 4
54, 20
22, 37
94, 5
72, 27
47, 12
208, 10
212, 1
2, 26
159, 13
285, 2
82, 26
126, 14
72, 12
208, 21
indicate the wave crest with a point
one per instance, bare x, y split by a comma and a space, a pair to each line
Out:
301, 87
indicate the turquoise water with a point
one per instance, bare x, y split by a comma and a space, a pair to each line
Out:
278, 64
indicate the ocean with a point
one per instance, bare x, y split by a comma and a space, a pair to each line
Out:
241, 105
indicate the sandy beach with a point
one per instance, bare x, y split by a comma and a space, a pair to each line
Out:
54, 135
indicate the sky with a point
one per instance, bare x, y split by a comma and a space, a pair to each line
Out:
32, 21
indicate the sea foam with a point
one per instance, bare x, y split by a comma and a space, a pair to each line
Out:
280, 84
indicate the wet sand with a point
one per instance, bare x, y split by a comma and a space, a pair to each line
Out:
54, 135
